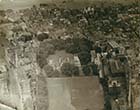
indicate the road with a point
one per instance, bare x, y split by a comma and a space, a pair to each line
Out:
9, 95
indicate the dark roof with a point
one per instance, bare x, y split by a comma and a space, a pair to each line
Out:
116, 67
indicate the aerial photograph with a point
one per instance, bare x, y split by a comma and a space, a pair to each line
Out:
69, 54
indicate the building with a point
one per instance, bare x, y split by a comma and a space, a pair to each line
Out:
113, 44
118, 66
114, 86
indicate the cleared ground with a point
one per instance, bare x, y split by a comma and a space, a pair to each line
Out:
76, 93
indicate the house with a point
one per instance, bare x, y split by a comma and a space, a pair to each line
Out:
113, 44
114, 86
118, 66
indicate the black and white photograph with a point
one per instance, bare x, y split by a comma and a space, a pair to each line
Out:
69, 54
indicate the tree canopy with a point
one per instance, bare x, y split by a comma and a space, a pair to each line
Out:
68, 69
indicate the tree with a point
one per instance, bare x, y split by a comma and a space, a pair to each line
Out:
73, 49
84, 57
46, 49
86, 70
48, 70
42, 36
94, 69
69, 69
25, 38
77, 45
59, 44
85, 44
41, 61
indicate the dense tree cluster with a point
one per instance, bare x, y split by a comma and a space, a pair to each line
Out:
106, 19
79, 46
45, 50
50, 72
42, 36
121, 20
69, 70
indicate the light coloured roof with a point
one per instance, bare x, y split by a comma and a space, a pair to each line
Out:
113, 44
